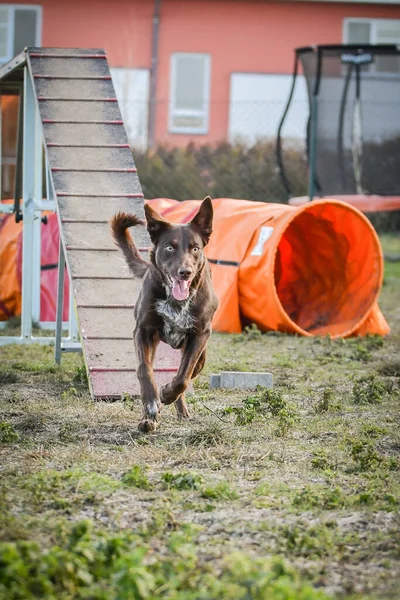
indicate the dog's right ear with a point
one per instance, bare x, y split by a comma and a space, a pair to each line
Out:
155, 223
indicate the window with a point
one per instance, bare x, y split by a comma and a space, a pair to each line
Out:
375, 31
256, 102
189, 93
19, 27
132, 90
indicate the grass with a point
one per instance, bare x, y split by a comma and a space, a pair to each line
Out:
290, 494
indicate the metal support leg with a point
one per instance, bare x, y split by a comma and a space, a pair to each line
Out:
28, 194
37, 221
73, 333
313, 147
60, 303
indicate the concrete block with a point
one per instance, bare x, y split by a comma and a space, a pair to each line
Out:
215, 381
245, 381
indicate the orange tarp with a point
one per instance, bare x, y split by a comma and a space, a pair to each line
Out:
10, 283
316, 269
11, 269
365, 203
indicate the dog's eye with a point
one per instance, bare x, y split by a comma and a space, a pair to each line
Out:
196, 249
169, 248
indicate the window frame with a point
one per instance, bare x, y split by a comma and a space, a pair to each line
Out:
11, 27
189, 112
363, 20
373, 25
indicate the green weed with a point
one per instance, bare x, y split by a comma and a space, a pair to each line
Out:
320, 460
80, 375
308, 542
183, 481
264, 404
364, 455
69, 431
250, 333
369, 390
328, 402
136, 477
8, 435
328, 499
373, 431
220, 491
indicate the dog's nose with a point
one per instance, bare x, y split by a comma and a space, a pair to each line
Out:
185, 272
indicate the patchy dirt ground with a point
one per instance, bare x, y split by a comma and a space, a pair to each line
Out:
290, 494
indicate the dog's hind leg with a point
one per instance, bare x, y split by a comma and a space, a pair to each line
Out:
145, 345
180, 405
191, 357
200, 364
181, 408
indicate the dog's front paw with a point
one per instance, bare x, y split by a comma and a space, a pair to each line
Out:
167, 395
151, 413
147, 425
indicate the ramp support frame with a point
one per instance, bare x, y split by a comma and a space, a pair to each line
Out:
32, 208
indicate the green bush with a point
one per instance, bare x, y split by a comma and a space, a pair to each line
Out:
227, 170
100, 567
223, 170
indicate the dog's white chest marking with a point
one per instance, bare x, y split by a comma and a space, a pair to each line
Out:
178, 320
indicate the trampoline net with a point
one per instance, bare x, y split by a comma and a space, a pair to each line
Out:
358, 124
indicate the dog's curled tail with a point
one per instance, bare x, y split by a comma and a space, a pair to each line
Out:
119, 228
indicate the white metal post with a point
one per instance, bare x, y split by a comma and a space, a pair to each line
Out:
37, 220
60, 303
1, 150
73, 333
28, 195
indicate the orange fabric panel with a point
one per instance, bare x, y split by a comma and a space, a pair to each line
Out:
365, 203
10, 269
10, 287
375, 324
315, 269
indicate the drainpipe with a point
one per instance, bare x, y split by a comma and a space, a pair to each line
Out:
153, 75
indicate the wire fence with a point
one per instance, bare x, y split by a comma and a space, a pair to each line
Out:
244, 164
222, 170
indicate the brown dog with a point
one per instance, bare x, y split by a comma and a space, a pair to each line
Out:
176, 303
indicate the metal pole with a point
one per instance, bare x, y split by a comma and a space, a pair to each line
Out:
28, 195
313, 147
73, 334
37, 221
60, 303
1, 148
278, 149
314, 126
153, 74
20, 151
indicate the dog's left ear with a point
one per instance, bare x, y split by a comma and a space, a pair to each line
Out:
156, 224
204, 219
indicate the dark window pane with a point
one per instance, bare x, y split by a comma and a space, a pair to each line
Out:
24, 30
359, 33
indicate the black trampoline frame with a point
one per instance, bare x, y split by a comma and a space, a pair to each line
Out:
311, 133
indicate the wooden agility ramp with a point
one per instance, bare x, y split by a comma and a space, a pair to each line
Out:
92, 176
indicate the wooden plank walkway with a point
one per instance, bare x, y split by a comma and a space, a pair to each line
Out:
94, 176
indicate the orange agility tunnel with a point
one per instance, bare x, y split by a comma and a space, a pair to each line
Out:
315, 269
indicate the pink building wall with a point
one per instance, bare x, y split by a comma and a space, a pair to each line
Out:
241, 36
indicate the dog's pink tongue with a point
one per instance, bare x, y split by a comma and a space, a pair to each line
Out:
180, 289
